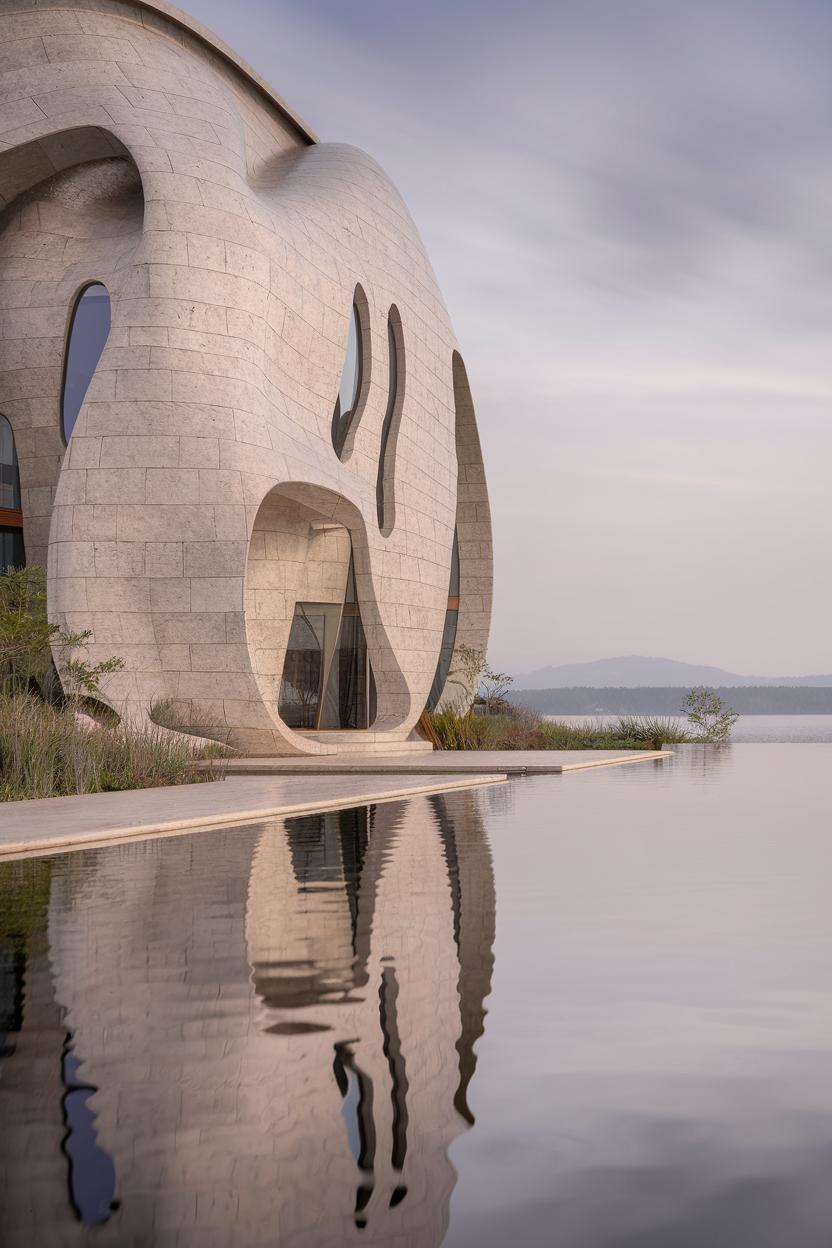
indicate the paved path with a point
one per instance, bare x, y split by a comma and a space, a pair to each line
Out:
443, 763
61, 823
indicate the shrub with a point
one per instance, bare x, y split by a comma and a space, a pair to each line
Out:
50, 752
707, 712
526, 730
27, 640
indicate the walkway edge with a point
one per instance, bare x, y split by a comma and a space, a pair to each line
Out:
66, 842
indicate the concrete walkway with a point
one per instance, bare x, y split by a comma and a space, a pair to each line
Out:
441, 763
63, 823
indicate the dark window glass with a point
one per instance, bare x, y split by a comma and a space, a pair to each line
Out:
392, 395
350, 386
12, 554
9, 476
88, 332
443, 667
327, 679
303, 667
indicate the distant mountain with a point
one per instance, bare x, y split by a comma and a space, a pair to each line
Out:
634, 671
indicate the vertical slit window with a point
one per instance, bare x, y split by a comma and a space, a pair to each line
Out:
350, 387
88, 332
387, 450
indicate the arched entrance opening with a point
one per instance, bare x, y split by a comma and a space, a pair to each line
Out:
304, 624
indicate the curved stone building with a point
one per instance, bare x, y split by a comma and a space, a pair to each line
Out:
245, 439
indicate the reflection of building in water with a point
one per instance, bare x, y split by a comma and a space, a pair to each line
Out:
280, 1028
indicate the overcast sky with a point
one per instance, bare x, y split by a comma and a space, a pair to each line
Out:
629, 208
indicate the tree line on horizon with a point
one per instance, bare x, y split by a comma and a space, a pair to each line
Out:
668, 700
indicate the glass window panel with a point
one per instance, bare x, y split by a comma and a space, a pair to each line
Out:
327, 679
12, 554
9, 476
300, 689
350, 384
87, 336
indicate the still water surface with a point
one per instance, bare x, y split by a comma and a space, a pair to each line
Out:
586, 1011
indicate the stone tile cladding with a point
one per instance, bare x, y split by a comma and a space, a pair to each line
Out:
135, 151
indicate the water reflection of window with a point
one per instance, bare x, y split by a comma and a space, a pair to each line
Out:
88, 331
327, 678
12, 554
348, 391
443, 667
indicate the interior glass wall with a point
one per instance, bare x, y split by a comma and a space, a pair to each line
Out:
327, 679
443, 667
88, 331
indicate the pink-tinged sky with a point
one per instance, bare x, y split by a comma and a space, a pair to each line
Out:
629, 209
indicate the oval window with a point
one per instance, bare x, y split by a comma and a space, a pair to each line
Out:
88, 332
350, 386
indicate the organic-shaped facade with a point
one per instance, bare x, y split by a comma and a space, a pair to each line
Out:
242, 423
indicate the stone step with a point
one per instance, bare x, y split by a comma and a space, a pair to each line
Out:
367, 742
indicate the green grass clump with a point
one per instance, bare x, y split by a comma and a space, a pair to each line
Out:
46, 752
525, 730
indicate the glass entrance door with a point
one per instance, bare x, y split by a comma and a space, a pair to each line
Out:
327, 678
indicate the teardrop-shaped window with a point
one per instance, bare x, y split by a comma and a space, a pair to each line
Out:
88, 332
348, 391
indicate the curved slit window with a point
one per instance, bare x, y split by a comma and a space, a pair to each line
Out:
392, 397
350, 386
12, 553
88, 331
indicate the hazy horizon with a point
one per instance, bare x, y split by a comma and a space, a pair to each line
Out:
628, 210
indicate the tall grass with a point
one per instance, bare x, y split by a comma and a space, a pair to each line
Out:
47, 752
526, 730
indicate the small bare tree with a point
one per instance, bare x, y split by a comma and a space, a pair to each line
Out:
707, 712
493, 688
467, 672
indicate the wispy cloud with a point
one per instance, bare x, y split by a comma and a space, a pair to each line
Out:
628, 208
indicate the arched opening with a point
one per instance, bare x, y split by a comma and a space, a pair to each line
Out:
89, 328
305, 631
12, 552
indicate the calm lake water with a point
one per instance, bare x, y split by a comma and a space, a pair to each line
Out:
752, 727
590, 1011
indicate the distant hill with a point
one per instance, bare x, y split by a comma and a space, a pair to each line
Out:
635, 671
